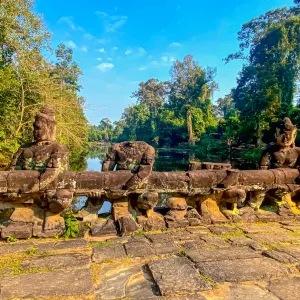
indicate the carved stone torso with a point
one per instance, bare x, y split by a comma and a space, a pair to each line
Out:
276, 157
39, 156
129, 157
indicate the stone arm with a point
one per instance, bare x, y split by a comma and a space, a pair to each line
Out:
13, 163
57, 164
144, 169
110, 161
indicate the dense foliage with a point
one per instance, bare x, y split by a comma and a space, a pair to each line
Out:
28, 81
168, 113
181, 109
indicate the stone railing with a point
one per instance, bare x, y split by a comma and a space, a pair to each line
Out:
195, 197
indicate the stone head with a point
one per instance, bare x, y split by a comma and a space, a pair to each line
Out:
130, 143
44, 126
285, 133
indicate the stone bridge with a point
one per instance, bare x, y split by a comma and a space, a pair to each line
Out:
190, 198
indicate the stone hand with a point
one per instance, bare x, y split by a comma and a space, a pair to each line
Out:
133, 183
94, 194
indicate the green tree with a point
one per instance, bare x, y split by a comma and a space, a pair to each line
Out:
152, 93
267, 84
28, 81
191, 89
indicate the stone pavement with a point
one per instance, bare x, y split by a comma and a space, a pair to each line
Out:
258, 261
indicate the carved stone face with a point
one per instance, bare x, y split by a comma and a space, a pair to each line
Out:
285, 138
43, 130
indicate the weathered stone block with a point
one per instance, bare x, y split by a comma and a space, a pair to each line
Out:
108, 252
213, 254
106, 228
23, 181
154, 222
173, 223
54, 225
165, 248
239, 270
176, 276
247, 292
138, 249
286, 288
19, 230
63, 283
71, 244
280, 256
222, 229
59, 261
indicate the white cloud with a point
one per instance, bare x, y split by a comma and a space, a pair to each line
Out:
168, 59
102, 14
103, 41
175, 44
112, 23
110, 59
88, 36
99, 58
127, 52
105, 67
149, 56
142, 68
102, 50
141, 51
71, 44
84, 49
115, 48
68, 21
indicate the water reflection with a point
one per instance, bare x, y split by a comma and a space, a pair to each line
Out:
168, 159
93, 164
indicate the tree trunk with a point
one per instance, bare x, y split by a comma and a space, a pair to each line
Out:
190, 127
22, 107
258, 134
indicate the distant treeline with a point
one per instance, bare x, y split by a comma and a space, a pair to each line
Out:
180, 110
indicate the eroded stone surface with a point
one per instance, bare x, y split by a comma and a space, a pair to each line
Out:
280, 256
222, 229
286, 288
213, 254
19, 230
242, 269
78, 243
254, 228
165, 248
176, 276
214, 241
63, 283
59, 261
248, 292
108, 252
138, 249
132, 282
275, 238
15, 247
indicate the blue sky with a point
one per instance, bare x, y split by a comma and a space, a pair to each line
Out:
119, 43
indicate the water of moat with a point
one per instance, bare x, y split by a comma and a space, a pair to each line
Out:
167, 159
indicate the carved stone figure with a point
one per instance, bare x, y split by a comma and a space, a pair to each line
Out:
135, 156
282, 153
138, 157
146, 216
175, 217
48, 157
